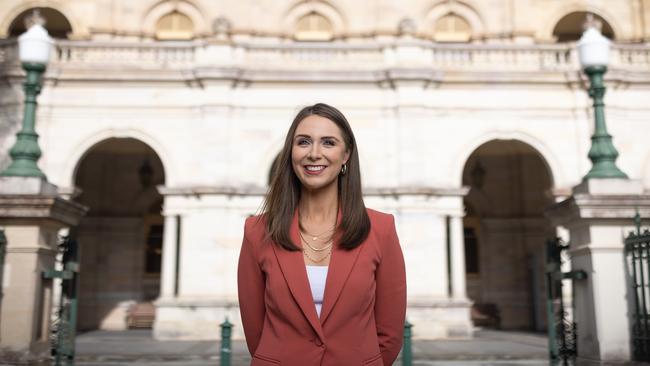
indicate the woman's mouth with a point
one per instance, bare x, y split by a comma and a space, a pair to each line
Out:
314, 169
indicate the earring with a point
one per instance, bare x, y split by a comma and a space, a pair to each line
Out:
344, 169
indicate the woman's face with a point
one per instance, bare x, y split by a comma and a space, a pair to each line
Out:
318, 152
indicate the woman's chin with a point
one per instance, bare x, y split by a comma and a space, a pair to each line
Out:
315, 187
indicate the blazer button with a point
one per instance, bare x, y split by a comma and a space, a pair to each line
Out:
318, 342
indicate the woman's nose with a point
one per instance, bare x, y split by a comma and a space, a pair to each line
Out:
314, 152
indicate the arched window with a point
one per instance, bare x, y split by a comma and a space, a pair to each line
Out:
56, 23
452, 28
314, 27
174, 26
571, 26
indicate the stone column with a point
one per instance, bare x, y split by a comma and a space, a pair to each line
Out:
31, 214
457, 259
169, 257
428, 224
211, 231
598, 216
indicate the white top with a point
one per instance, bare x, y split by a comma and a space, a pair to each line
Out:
317, 276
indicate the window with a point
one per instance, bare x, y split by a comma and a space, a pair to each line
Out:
314, 27
174, 26
452, 28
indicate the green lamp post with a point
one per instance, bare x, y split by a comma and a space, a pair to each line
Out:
593, 51
34, 50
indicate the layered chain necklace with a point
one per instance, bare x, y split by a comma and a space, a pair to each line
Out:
328, 247
313, 237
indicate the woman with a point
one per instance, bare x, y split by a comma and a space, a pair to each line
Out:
321, 278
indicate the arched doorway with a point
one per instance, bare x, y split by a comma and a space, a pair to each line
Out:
505, 231
121, 236
57, 24
571, 26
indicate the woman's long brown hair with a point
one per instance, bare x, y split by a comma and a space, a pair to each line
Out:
284, 192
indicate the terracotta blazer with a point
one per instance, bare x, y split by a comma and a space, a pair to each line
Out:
364, 305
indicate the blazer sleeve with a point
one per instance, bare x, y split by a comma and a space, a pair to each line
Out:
250, 285
390, 297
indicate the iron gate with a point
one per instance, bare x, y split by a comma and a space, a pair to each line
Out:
65, 321
562, 330
637, 253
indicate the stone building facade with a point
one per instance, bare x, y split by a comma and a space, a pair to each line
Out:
472, 117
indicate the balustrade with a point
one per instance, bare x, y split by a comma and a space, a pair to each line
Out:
329, 56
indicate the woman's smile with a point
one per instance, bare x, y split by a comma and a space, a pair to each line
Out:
314, 169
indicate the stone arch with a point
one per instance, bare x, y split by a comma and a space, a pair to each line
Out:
458, 8
121, 237
56, 24
88, 142
146, 162
570, 27
461, 157
79, 30
303, 8
157, 11
505, 230
545, 31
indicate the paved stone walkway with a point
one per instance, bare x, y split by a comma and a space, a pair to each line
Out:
138, 348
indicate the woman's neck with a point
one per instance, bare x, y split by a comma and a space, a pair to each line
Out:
319, 206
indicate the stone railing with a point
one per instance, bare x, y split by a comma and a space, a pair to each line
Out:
503, 58
312, 56
328, 56
135, 55
631, 57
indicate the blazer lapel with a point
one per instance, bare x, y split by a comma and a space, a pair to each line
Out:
294, 271
341, 264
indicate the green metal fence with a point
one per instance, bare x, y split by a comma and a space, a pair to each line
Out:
637, 253
65, 325
562, 330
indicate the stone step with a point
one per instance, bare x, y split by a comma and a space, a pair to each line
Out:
141, 316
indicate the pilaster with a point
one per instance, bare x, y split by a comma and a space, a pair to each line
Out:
31, 214
598, 216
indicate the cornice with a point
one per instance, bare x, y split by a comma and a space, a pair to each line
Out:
599, 207
29, 207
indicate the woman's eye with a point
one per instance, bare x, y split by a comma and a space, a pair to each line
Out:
303, 142
329, 142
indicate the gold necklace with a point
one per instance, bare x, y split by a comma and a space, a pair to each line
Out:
330, 241
316, 261
314, 237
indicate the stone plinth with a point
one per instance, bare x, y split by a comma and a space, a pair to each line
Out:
31, 215
598, 216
